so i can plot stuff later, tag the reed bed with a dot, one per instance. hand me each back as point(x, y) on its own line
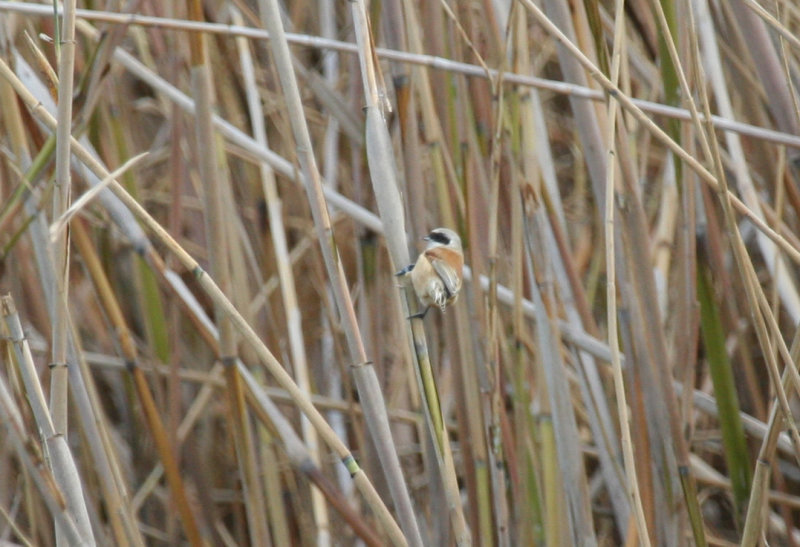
point(203, 206)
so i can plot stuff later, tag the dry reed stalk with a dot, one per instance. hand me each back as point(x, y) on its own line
point(757, 506)
point(31, 456)
point(302, 459)
point(494, 413)
point(213, 291)
point(611, 292)
point(473, 164)
point(61, 201)
point(364, 373)
point(661, 135)
point(156, 425)
point(55, 450)
point(287, 282)
point(382, 168)
point(60, 253)
point(220, 236)
point(420, 59)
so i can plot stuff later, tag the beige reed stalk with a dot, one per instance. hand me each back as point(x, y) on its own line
point(419, 59)
point(30, 455)
point(208, 285)
point(757, 507)
point(59, 457)
point(611, 288)
point(149, 408)
point(755, 294)
point(283, 264)
point(380, 157)
point(494, 325)
point(713, 67)
point(332, 159)
point(635, 107)
point(631, 106)
point(105, 461)
point(61, 200)
point(60, 253)
point(220, 237)
point(363, 371)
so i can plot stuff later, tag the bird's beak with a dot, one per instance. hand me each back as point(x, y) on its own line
point(427, 238)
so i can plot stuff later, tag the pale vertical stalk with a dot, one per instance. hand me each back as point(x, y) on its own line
point(383, 170)
point(61, 200)
point(756, 508)
point(364, 373)
point(337, 418)
point(571, 470)
point(288, 291)
point(494, 325)
point(631, 106)
point(330, 71)
point(664, 232)
point(60, 253)
point(611, 287)
point(59, 457)
point(768, 66)
point(521, 504)
point(444, 172)
point(589, 126)
point(207, 284)
point(105, 463)
point(36, 469)
point(713, 66)
point(220, 234)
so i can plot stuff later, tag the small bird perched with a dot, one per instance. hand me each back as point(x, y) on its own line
point(437, 274)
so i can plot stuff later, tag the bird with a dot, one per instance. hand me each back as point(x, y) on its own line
point(437, 274)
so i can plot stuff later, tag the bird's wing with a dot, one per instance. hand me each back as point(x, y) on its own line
point(442, 261)
point(405, 271)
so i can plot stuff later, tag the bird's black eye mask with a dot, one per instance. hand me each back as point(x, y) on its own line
point(439, 238)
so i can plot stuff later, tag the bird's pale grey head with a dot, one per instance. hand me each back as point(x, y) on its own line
point(444, 237)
